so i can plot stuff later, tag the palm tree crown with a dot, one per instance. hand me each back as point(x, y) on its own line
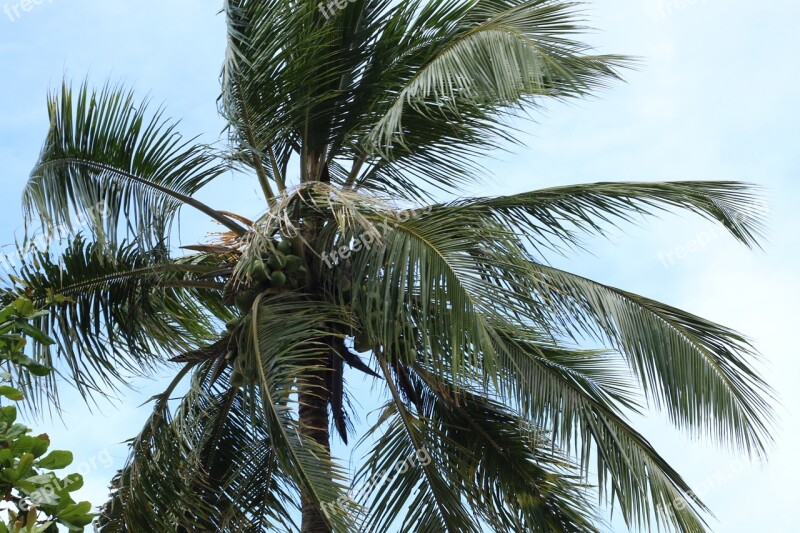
point(354, 120)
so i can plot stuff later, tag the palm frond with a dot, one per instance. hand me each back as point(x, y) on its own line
point(423, 497)
point(147, 494)
point(274, 49)
point(698, 371)
point(499, 463)
point(278, 353)
point(487, 57)
point(119, 311)
point(215, 465)
point(550, 217)
point(580, 402)
point(459, 295)
point(112, 165)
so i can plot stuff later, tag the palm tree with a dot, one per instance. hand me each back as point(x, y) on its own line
point(355, 117)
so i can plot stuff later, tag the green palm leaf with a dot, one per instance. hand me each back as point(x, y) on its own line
point(215, 467)
point(697, 370)
point(437, 505)
point(557, 215)
point(518, 364)
point(579, 403)
point(113, 166)
point(281, 354)
point(486, 453)
point(498, 55)
point(118, 311)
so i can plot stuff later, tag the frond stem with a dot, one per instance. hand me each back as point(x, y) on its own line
point(188, 200)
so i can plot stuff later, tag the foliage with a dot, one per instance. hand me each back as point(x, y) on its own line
point(37, 499)
point(449, 309)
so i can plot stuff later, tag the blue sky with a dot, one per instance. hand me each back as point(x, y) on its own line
point(714, 98)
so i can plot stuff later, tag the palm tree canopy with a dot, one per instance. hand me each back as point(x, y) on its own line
point(354, 120)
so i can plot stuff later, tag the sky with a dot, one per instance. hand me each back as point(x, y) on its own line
point(713, 98)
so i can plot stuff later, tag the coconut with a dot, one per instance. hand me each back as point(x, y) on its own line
point(260, 272)
point(245, 301)
point(228, 294)
point(237, 379)
point(293, 263)
point(277, 261)
point(362, 343)
point(278, 280)
point(285, 247)
point(232, 325)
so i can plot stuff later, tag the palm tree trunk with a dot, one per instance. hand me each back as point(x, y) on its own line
point(314, 393)
point(314, 423)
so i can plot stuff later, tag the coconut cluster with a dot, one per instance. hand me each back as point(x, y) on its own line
point(273, 272)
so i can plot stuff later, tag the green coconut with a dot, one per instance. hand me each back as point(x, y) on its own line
point(362, 343)
point(260, 272)
point(245, 301)
point(277, 261)
point(233, 324)
point(293, 263)
point(228, 294)
point(285, 247)
point(278, 280)
point(237, 379)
